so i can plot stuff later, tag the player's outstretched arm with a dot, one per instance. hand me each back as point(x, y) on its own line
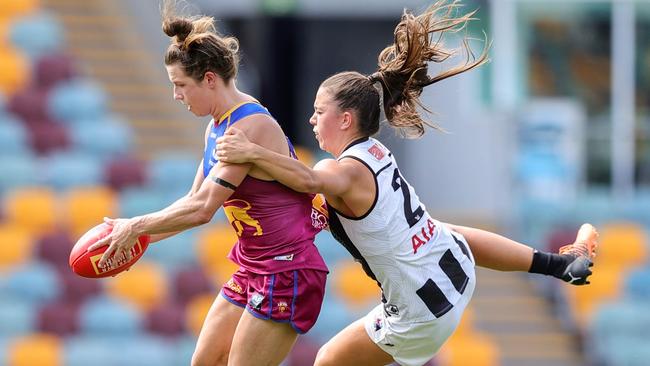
point(329, 176)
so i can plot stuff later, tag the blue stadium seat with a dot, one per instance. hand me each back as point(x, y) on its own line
point(84, 350)
point(173, 172)
point(146, 351)
point(35, 282)
point(138, 201)
point(37, 34)
point(617, 319)
point(19, 171)
point(183, 350)
point(331, 250)
point(65, 170)
point(637, 284)
point(105, 138)
point(107, 316)
point(338, 316)
point(17, 317)
point(176, 251)
point(3, 350)
point(140, 350)
point(625, 351)
point(14, 139)
point(77, 101)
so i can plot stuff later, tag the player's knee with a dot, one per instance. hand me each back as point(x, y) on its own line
point(324, 357)
point(202, 359)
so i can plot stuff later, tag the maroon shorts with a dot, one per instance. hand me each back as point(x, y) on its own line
point(293, 297)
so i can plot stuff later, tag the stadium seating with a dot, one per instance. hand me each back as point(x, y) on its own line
point(196, 311)
point(60, 318)
point(352, 284)
point(17, 317)
point(34, 282)
point(77, 101)
point(191, 282)
point(86, 207)
point(103, 139)
point(125, 172)
point(19, 171)
point(178, 251)
point(214, 244)
point(94, 315)
point(143, 286)
point(20, 250)
point(14, 71)
point(166, 319)
point(52, 69)
point(35, 349)
point(33, 208)
point(14, 137)
point(66, 170)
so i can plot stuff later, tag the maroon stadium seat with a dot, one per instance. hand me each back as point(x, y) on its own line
point(60, 318)
point(52, 69)
point(54, 247)
point(124, 172)
point(29, 104)
point(76, 289)
point(166, 319)
point(48, 136)
point(190, 282)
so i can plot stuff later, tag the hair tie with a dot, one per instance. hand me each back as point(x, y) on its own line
point(375, 77)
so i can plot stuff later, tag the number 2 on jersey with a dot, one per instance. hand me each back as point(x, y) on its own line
point(412, 217)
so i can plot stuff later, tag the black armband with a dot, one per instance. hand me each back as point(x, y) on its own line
point(224, 183)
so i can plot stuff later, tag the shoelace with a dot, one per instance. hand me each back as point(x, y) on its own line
point(577, 249)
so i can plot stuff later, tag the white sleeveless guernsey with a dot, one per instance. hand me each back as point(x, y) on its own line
point(422, 268)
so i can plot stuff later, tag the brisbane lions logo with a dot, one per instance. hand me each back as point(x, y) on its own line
point(236, 211)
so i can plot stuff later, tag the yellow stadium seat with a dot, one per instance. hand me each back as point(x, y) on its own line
point(353, 285)
point(214, 244)
point(470, 348)
point(196, 311)
point(16, 245)
point(86, 207)
point(305, 155)
point(4, 33)
point(34, 208)
point(622, 244)
point(15, 8)
point(144, 285)
point(14, 70)
point(35, 349)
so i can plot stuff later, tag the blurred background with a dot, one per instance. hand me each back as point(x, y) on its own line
point(555, 131)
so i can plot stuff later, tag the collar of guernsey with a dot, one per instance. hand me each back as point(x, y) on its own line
point(236, 113)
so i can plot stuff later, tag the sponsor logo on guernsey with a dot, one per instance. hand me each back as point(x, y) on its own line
point(377, 152)
point(282, 306)
point(235, 287)
point(256, 301)
point(288, 257)
point(379, 323)
point(319, 214)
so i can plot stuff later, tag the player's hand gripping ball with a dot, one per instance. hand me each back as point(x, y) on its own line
point(85, 263)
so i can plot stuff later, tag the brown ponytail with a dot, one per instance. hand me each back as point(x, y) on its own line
point(403, 65)
point(402, 71)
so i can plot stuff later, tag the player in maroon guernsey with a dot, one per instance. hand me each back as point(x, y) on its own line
point(281, 280)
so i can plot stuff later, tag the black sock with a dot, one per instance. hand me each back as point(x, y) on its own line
point(549, 263)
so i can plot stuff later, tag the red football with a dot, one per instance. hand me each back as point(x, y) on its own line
point(84, 263)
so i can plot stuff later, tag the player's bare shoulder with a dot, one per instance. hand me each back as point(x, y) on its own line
point(263, 130)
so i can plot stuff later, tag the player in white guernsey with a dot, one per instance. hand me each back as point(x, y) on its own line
point(424, 268)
